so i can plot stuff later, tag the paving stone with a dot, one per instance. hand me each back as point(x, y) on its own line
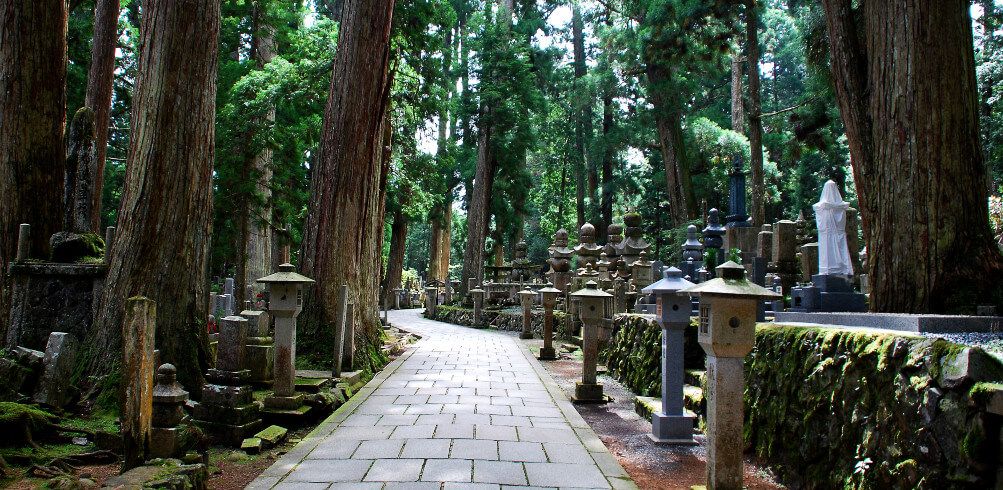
point(496, 433)
point(448, 470)
point(379, 449)
point(510, 421)
point(426, 448)
point(471, 486)
point(395, 470)
point(454, 431)
point(329, 470)
point(334, 449)
point(538, 434)
point(565, 475)
point(567, 453)
point(398, 420)
point(474, 449)
point(499, 472)
point(413, 432)
point(521, 451)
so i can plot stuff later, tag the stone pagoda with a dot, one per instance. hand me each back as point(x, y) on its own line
point(587, 250)
point(560, 261)
point(631, 247)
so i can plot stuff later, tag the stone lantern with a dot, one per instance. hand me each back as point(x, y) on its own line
point(672, 311)
point(727, 333)
point(549, 296)
point(478, 296)
point(169, 399)
point(592, 310)
point(285, 302)
point(526, 297)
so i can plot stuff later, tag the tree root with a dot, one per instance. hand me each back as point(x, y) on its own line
point(67, 465)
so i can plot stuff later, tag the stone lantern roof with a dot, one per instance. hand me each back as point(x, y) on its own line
point(591, 290)
point(731, 281)
point(550, 289)
point(671, 282)
point(286, 274)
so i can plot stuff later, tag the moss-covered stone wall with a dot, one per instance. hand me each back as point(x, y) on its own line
point(831, 408)
point(838, 408)
point(500, 319)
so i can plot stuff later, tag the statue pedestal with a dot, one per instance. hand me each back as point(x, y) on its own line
point(828, 293)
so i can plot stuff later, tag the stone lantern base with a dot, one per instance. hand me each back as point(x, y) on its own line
point(589, 393)
point(547, 354)
point(672, 429)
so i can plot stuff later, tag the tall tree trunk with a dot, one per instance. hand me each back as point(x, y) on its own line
point(445, 240)
point(583, 123)
point(906, 92)
point(440, 214)
point(737, 104)
point(340, 236)
point(395, 263)
point(255, 247)
point(478, 211)
point(32, 116)
point(668, 119)
point(606, 205)
point(165, 220)
point(100, 82)
point(755, 114)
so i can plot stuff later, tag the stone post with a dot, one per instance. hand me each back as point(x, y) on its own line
point(138, 335)
point(526, 299)
point(431, 300)
point(397, 298)
point(593, 306)
point(260, 347)
point(23, 243)
point(348, 348)
point(478, 295)
point(339, 332)
point(169, 398)
point(549, 295)
point(447, 295)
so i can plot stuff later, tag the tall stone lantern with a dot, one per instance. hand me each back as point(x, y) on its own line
point(549, 297)
point(592, 311)
point(526, 297)
point(285, 302)
point(727, 333)
point(672, 311)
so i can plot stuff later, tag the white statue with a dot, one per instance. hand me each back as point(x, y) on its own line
point(830, 216)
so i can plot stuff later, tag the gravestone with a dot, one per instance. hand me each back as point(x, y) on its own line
point(54, 388)
point(634, 244)
point(260, 347)
point(713, 236)
point(227, 411)
point(80, 173)
point(586, 250)
point(169, 399)
point(738, 218)
point(340, 325)
point(348, 349)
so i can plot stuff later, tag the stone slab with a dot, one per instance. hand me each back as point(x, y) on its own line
point(898, 322)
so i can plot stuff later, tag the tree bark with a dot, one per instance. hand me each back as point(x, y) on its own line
point(587, 189)
point(395, 262)
point(478, 211)
point(255, 247)
point(100, 82)
point(340, 236)
point(755, 114)
point(737, 104)
point(668, 118)
point(32, 116)
point(907, 94)
point(165, 220)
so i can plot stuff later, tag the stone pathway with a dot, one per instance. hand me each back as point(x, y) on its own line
point(463, 408)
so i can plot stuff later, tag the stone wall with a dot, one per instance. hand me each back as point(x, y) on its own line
point(832, 408)
point(501, 319)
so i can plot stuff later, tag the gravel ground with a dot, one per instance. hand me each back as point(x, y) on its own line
point(625, 433)
point(990, 341)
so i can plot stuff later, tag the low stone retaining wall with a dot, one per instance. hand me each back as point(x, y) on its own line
point(500, 319)
point(836, 408)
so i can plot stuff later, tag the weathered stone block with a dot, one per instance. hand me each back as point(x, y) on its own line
point(54, 389)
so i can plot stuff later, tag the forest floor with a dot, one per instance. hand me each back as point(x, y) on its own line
point(625, 433)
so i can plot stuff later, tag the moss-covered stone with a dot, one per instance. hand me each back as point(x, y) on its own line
point(503, 319)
